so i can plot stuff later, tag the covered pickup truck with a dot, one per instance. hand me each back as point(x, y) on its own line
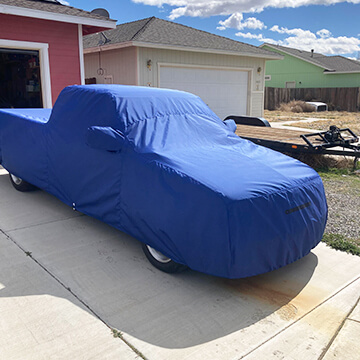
point(161, 166)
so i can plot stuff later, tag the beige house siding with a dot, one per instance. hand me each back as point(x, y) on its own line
point(257, 103)
point(150, 77)
point(120, 66)
point(130, 66)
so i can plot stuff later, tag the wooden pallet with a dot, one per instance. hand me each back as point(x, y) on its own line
point(261, 133)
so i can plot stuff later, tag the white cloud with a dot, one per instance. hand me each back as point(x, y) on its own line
point(253, 23)
point(259, 37)
point(300, 33)
point(250, 36)
point(324, 33)
point(322, 43)
point(236, 21)
point(204, 8)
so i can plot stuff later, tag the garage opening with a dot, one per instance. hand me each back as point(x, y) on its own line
point(20, 83)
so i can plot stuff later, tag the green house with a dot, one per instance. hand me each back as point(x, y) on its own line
point(308, 69)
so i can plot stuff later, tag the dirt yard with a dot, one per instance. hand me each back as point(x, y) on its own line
point(341, 119)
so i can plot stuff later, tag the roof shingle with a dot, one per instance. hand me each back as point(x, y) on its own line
point(328, 63)
point(52, 6)
point(162, 32)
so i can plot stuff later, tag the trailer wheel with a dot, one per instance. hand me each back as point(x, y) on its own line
point(20, 184)
point(162, 262)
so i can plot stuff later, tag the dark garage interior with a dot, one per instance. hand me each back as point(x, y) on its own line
point(20, 83)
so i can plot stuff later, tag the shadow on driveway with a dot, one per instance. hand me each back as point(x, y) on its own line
point(107, 270)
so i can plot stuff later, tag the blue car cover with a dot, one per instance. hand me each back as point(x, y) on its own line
point(161, 166)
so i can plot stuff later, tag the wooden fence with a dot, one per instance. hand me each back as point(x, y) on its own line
point(346, 99)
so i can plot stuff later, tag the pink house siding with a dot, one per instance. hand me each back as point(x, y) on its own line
point(63, 46)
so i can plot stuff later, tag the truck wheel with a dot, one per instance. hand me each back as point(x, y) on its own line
point(162, 262)
point(20, 184)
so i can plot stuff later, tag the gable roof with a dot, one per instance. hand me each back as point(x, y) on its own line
point(53, 10)
point(154, 32)
point(331, 64)
point(341, 64)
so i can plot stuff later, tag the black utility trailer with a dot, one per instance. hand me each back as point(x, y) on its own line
point(334, 141)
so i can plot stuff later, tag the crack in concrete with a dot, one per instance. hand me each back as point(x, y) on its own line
point(93, 312)
point(43, 223)
point(326, 349)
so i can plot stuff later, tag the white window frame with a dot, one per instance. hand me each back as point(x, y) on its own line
point(43, 49)
point(81, 54)
point(290, 84)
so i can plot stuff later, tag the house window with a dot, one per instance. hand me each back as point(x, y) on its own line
point(290, 84)
point(20, 82)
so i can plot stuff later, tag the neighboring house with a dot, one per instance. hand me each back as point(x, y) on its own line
point(228, 75)
point(41, 50)
point(307, 69)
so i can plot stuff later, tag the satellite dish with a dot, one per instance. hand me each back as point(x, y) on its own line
point(101, 12)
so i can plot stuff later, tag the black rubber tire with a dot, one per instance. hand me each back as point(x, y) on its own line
point(20, 184)
point(169, 266)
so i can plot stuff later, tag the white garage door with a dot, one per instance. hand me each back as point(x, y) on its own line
point(225, 91)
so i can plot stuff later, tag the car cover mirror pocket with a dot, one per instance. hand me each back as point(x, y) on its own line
point(230, 123)
point(104, 138)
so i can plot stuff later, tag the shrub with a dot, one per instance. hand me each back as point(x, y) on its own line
point(296, 106)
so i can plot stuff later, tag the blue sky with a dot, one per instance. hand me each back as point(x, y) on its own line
point(331, 27)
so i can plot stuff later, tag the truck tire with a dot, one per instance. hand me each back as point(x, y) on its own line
point(20, 184)
point(161, 262)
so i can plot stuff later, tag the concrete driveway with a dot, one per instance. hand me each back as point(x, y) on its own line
point(67, 280)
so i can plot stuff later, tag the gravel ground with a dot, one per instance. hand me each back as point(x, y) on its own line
point(343, 197)
point(342, 191)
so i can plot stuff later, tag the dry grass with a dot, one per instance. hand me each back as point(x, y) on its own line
point(319, 161)
point(351, 123)
point(296, 106)
point(278, 115)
